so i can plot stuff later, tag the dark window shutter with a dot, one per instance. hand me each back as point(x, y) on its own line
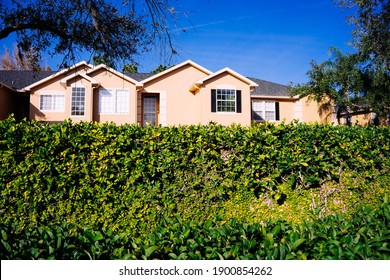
point(238, 100)
point(213, 100)
point(277, 111)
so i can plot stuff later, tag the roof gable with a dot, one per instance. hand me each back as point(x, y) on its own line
point(62, 72)
point(178, 66)
point(230, 72)
point(115, 72)
point(65, 80)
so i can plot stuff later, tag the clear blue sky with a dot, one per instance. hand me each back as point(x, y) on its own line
point(274, 40)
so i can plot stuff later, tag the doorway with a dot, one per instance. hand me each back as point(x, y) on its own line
point(150, 109)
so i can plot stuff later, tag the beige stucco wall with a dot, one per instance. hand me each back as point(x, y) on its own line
point(225, 81)
point(362, 119)
point(54, 86)
point(106, 79)
point(109, 80)
point(314, 112)
point(178, 106)
point(286, 108)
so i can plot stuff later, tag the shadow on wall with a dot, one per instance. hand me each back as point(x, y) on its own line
point(36, 114)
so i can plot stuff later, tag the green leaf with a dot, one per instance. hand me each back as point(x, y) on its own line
point(298, 243)
point(150, 250)
point(94, 236)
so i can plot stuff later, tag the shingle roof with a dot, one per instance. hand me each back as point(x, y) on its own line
point(266, 88)
point(18, 79)
point(139, 76)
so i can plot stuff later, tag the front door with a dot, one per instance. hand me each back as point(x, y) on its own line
point(150, 109)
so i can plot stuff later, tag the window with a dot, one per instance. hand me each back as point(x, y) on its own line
point(52, 102)
point(265, 111)
point(78, 101)
point(226, 100)
point(113, 101)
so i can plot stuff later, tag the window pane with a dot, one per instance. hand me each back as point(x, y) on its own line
point(78, 101)
point(270, 115)
point(46, 102)
point(270, 106)
point(122, 102)
point(226, 100)
point(50, 102)
point(270, 110)
point(59, 102)
point(105, 101)
point(263, 110)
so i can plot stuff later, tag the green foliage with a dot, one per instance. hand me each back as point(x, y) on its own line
point(357, 82)
point(113, 31)
point(372, 34)
point(161, 68)
point(130, 180)
point(364, 236)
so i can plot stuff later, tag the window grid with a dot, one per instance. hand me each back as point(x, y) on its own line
point(114, 102)
point(150, 106)
point(106, 101)
point(270, 110)
point(263, 110)
point(122, 102)
point(78, 101)
point(50, 102)
point(226, 100)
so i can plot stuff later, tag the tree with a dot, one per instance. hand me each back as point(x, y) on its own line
point(358, 81)
point(372, 33)
point(19, 61)
point(160, 68)
point(103, 59)
point(130, 68)
point(115, 30)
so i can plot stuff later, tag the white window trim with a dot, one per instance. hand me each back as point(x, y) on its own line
point(113, 110)
point(226, 87)
point(52, 93)
point(263, 105)
point(85, 100)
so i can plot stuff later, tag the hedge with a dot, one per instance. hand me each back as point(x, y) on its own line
point(366, 235)
point(127, 177)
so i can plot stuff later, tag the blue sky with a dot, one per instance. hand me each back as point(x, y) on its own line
point(270, 40)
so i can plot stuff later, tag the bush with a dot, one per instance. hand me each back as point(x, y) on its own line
point(127, 178)
point(363, 236)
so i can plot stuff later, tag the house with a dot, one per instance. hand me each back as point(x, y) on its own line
point(13, 99)
point(184, 94)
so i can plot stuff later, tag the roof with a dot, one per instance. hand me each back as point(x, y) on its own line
point(139, 76)
point(266, 88)
point(119, 74)
point(173, 68)
point(56, 74)
point(250, 82)
point(77, 74)
point(22, 79)
point(18, 79)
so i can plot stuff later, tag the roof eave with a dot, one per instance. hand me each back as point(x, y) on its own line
point(190, 62)
point(244, 79)
point(119, 74)
point(274, 97)
point(28, 88)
